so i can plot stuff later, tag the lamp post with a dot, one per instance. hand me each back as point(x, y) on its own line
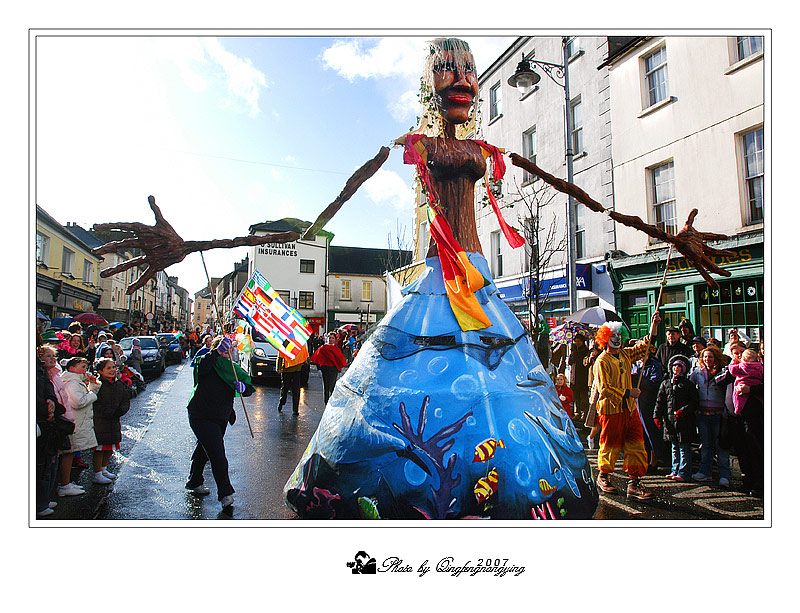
point(524, 79)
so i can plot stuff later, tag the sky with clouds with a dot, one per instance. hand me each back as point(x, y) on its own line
point(227, 132)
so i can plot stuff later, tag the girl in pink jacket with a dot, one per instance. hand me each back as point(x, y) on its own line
point(748, 372)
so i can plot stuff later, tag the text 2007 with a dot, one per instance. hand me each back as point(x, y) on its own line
point(492, 562)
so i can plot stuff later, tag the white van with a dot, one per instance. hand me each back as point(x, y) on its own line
point(259, 363)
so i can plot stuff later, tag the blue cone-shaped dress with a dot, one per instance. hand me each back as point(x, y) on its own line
point(433, 422)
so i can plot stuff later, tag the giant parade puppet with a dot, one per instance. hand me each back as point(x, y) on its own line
point(446, 412)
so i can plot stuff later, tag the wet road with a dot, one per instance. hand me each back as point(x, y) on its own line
point(157, 445)
point(151, 485)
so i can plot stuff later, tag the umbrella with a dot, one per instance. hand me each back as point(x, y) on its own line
point(90, 318)
point(348, 327)
point(42, 316)
point(116, 324)
point(593, 316)
point(565, 333)
point(60, 322)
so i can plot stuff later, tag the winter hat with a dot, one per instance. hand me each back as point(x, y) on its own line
point(683, 360)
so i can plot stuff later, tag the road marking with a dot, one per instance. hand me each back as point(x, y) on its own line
point(710, 504)
point(619, 505)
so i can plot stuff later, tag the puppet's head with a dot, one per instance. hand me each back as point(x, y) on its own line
point(612, 335)
point(449, 87)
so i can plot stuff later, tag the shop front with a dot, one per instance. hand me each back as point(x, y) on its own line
point(593, 285)
point(739, 302)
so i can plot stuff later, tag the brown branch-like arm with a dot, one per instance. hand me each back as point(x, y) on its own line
point(162, 246)
point(358, 178)
point(688, 241)
point(563, 186)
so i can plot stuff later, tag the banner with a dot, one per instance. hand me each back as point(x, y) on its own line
point(281, 325)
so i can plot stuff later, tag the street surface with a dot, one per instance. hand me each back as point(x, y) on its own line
point(153, 462)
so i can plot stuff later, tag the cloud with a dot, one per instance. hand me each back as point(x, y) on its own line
point(244, 81)
point(204, 63)
point(387, 187)
point(399, 58)
point(406, 106)
point(375, 58)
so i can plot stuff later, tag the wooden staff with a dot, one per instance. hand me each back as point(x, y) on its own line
point(658, 306)
point(230, 357)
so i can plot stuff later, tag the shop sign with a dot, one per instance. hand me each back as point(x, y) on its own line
point(278, 249)
point(740, 256)
point(556, 286)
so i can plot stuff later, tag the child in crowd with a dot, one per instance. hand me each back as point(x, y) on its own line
point(113, 401)
point(564, 393)
point(748, 372)
point(81, 389)
point(676, 406)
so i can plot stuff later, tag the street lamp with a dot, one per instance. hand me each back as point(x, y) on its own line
point(524, 79)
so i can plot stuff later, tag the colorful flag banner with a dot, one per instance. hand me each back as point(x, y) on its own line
point(282, 326)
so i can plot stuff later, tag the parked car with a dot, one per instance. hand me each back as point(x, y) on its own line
point(153, 354)
point(172, 347)
point(260, 363)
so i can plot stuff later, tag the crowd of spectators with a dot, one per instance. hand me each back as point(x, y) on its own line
point(693, 392)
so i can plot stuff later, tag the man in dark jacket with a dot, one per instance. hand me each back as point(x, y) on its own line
point(210, 412)
point(674, 346)
point(653, 374)
point(579, 375)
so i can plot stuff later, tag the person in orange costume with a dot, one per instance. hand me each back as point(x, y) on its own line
point(617, 413)
point(290, 370)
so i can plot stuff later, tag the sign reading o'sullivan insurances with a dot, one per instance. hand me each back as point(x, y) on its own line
point(279, 249)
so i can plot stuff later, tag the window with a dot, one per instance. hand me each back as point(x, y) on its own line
point(68, 262)
point(42, 249)
point(424, 239)
point(285, 295)
point(748, 45)
point(663, 197)
point(753, 166)
point(306, 300)
point(655, 67)
point(495, 107)
point(572, 47)
point(366, 291)
point(580, 231)
point(306, 265)
point(345, 289)
point(529, 152)
point(497, 255)
point(576, 126)
point(88, 271)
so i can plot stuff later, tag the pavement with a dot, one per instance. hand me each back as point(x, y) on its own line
point(153, 461)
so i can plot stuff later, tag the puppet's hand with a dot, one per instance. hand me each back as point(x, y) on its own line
point(160, 245)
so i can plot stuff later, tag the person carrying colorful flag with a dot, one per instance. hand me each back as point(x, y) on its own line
point(210, 411)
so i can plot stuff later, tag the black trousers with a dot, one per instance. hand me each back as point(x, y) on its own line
point(291, 380)
point(210, 448)
point(329, 376)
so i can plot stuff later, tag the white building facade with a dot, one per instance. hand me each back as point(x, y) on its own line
point(688, 132)
point(296, 270)
point(533, 125)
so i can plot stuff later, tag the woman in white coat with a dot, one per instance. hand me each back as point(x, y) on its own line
point(81, 388)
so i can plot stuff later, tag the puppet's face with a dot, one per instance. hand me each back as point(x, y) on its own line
point(456, 87)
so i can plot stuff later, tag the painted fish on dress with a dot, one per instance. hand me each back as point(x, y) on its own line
point(485, 450)
point(546, 488)
point(486, 486)
point(368, 508)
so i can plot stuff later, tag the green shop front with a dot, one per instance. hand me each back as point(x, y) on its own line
point(737, 303)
